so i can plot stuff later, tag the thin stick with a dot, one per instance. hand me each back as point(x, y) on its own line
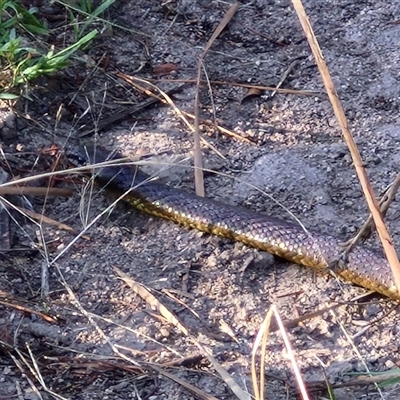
point(384, 203)
point(372, 202)
point(35, 191)
point(246, 86)
point(198, 162)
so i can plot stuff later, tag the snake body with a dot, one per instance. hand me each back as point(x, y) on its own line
point(363, 267)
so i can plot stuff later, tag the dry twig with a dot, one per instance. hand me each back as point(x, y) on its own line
point(198, 163)
point(372, 202)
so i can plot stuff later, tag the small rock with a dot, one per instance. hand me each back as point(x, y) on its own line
point(389, 364)
point(225, 255)
point(164, 332)
point(372, 310)
point(212, 261)
point(263, 260)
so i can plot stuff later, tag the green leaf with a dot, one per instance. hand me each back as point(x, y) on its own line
point(66, 53)
point(8, 96)
point(101, 8)
point(390, 382)
point(50, 62)
point(36, 29)
point(29, 21)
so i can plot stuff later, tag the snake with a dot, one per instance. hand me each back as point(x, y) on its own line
point(291, 241)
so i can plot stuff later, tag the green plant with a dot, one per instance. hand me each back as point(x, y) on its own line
point(24, 53)
point(32, 67)
point(382, 378)
point(13, 14)
point(82, 14)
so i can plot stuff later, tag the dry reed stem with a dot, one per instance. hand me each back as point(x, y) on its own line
point(372, 202)
point(198, 161)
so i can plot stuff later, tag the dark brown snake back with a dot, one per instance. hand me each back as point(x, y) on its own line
point(290, 241)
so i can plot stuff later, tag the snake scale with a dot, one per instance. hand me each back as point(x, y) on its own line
point(363, 267)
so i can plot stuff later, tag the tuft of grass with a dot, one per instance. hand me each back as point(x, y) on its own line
point(83, 13)
point(24, 52)
point(37, 65)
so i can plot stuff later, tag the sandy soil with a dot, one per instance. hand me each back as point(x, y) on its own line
point(294, 153)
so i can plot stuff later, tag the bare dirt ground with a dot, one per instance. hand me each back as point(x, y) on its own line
point(295, 154)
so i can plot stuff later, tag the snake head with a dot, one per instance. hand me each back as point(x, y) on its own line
point(90, 154)
point(119, 174)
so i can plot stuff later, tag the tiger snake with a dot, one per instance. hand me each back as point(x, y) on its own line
point(363, 266)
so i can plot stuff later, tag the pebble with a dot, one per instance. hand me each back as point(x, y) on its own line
point(389, 364)
point(164, 332)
